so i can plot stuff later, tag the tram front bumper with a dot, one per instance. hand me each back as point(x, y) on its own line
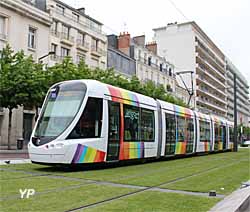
point(51, 153)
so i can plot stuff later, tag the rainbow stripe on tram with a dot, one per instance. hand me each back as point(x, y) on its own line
point(182, 111)
point(131, 150)
point(180, 147)
point(123, 96)
point(85, 154)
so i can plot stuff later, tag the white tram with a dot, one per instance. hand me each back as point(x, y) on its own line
point(86, 121)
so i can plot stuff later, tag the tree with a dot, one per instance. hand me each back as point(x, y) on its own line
point(22, 82)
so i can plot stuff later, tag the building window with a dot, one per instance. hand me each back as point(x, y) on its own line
point(161, 65)
point(65, 31)
point(80, 57)
point(60, 9)
point(32, 38)
point(94, 45)
point(75, 17)
point(170, 72)
point(2, 28)
point(54, 28)
point(53, 49)
point(64, 52)
point(149, 61)
point(80, 38)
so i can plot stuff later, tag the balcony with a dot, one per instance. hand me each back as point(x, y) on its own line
point(204, 61)
point(82, 45)
point(206, 92)
point(212, 59)
point(84, 24)
point(67, 39)
point(96, 51)
point(202, 70)
point(210, 84)
point(211, 105)
point(56, 58)
point(55, 33)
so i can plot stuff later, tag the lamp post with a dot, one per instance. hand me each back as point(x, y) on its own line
point(40, 58)
point(235, 149)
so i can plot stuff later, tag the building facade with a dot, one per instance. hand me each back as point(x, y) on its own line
point(119, 61)
point(189, 48)
point(149, 66)
point(75, 34)
point(24, 25)
point(243, 109)
point(42, 27)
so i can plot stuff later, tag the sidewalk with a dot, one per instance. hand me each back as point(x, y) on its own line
point(14, 156)
point(238, 201)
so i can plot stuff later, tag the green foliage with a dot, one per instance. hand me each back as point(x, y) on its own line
point(22, 80)
point(26, 82)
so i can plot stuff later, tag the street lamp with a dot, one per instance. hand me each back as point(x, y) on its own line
point(235, 116)
point(50, 53)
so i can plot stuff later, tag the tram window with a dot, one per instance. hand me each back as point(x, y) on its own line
point(181, 127)
point(114, 121)
point(204, 131)
point(217, 133)
point(147, 125)
point(90, 123)
point(190, 130)
point(131, 123)
point(231, 134)
point(170, 128)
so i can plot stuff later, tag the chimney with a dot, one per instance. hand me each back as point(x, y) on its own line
point(152, 47)
point(139, 40)
point(112, 41)
point(81, 10)
point(124, 43)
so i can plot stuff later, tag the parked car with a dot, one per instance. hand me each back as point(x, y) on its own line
point(245, 143)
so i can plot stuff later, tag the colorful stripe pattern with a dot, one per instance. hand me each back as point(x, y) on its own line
point(220, 144)
point(131, 150)
point(182, 111)
point(85, 154)
point(123, 96)
point(231, 146)
point(180, 147)
point(207, 146)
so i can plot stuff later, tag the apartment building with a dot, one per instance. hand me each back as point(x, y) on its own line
point(75, 34)
point(24, 25)
point(188, 47)
point(148, 65)
point(243, 109)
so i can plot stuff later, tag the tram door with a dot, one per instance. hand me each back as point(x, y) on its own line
point(170, 134)
point(114, 132)
point(224, 137)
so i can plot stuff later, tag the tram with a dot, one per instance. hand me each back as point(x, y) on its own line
point(86, 121)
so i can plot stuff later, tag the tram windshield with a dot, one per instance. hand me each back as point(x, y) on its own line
point(61, 106)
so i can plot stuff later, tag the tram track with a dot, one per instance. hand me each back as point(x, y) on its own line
point(100, 182)
point(154, 187)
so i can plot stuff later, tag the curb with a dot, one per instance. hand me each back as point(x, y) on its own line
point(14, 161)
point(238, 201)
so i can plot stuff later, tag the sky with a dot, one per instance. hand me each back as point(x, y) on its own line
point(226, 22)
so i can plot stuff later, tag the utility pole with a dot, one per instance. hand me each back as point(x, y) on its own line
point(235, 149)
